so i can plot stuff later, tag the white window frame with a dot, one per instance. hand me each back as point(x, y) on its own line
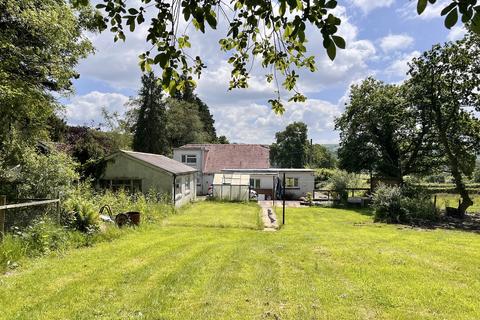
point(178, 187)
point(189, 158)
point(187, 185)
point(255, 185)
point(292, 183)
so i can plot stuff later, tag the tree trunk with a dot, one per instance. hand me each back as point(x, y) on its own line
point(462, 190)
point(454, 167)
point(457, 175)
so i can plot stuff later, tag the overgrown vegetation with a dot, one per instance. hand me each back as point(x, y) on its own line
point(394, 204)
point(79, 224)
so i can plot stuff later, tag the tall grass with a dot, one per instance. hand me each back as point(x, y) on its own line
point(46, 236)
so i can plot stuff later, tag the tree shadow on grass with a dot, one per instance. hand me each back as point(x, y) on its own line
point(471, 223)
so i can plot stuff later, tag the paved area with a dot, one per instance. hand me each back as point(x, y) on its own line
point(269, 217)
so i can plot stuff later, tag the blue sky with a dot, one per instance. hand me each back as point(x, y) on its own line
point(382, 36)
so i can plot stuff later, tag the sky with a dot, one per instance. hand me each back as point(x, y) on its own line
point(382, 37)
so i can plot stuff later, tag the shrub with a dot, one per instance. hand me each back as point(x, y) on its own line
point(387, 204)
point(404, 204)
point(339, 181)
point(81, 214)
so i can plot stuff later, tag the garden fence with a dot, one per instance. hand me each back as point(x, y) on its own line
point(20, 216)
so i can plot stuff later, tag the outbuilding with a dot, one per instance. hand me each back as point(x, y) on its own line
point(142, 172)
point(268, 182)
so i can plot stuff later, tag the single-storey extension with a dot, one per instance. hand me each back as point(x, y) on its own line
point(141, 172)
point(209, 159)
point(267, 181)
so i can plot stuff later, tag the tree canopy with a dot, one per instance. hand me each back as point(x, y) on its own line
point(445, 83)
point(273, 32)
point(150, 133)
point(291, 147)
point(382, 133)
point(41, 42)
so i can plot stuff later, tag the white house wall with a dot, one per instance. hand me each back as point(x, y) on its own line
point(306, 183)
point(177, 155)
point(186, 195)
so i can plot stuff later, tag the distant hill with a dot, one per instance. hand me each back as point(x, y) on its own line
point(332, 148)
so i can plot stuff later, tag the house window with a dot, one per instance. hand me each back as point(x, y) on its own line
point(255, 183)
point(291, 183)
point(187, 185)
point(189, 158)
point(178, 186)
point(129, 185)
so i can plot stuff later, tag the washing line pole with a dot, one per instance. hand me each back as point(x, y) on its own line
point(283, 198)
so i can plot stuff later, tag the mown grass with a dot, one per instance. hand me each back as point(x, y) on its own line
point(218, 215)
point(323, 264)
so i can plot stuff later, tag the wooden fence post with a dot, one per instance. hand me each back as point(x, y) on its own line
point(3, 201)
point(57, 207)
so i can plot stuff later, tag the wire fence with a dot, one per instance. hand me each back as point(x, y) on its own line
point(22, 212)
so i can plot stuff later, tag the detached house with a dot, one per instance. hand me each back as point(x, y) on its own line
point(209, 159)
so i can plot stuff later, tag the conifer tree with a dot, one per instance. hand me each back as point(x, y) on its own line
point(150, 129)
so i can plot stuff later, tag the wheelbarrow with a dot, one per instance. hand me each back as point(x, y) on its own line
point(121, 219)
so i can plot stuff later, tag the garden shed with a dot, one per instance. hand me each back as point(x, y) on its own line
point(232, 187)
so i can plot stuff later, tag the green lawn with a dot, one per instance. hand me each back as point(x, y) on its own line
point(218, 215)
point(451, 200)
point(324, 264)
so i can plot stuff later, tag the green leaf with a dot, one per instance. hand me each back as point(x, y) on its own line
point(448, 8)
point(283, 8)
point(332, 51)
point(451, 19)
point(211, 20)
point(475, 26)
point(339, 42)
point(161, 59)
point(132, 11)
point(421, 6)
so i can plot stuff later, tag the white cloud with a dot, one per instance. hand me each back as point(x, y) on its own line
point(399, 68)
point(368, 5)
point(395, 42)
point(87, 109)
point(243, 114)
point(456, 33)
point(256, 123)
point(409, 11)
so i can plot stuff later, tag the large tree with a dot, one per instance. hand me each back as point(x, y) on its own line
point(445, 82)
point(273, 32)
point(41, 42)
point(150, 133)
point(381, 132)
point(320, 157)
point(184, 124)
point(206, 117)
point(291, 147)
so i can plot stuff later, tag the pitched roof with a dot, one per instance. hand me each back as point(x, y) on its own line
point(160, 161)
point(229, 156)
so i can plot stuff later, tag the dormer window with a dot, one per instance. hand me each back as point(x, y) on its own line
point(189, 158)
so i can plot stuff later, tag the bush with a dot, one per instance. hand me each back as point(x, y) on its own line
point(387, 204)
point(81, 214)
point(402, 204)
point(340, 180)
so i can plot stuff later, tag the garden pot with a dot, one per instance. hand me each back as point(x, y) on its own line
point(134, 217)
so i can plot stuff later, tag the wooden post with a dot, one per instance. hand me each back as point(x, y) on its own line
point(3, 201)
point(57, 206)
point(435, 202)
point(283, 212)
